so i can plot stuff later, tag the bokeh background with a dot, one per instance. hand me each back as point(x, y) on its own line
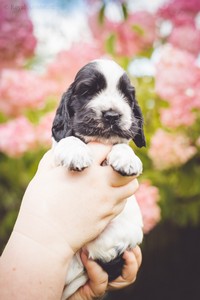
point(42, 46)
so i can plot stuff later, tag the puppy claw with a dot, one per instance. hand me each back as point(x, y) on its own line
point(122, 173)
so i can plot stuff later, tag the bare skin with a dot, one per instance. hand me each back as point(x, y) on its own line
point(51, 227)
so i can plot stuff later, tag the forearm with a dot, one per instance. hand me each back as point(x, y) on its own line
point(31, 270)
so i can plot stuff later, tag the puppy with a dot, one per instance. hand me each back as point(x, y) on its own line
point(100, 105)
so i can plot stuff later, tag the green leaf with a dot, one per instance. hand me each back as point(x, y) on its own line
point(138, 29)
point(110, 44)
point(124, 11)
point(101, 15)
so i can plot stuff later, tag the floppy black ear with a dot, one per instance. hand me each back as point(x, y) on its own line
point(139, 138)
point(62, 121)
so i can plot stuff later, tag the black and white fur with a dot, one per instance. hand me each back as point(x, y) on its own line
point(100, 105)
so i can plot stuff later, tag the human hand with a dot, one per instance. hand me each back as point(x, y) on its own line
point(98, 284)
point(72, 208)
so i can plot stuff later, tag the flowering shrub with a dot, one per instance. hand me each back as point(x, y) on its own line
point(19, 91)
point(176, 149)
point(17, 137)
point(147, 197)
point(17, 41)
point(177, 81)
point(186, 37)
point(170, 101)
point(175, 9)
point(127, 37)
point(43, 130)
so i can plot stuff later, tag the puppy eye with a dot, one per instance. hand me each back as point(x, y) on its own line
point(88, 90)
point(82, 89)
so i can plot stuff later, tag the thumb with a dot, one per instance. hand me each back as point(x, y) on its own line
point(99, 151)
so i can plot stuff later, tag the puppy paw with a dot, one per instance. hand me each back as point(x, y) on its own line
point(73, 154)
point(123, 160)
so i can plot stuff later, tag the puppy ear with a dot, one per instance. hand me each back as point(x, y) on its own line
point(139, 138)
point(62, 122)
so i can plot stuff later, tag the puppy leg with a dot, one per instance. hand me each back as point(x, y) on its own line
point(72, 287)
point(72, 153)
point(123, 160)
point(123, 232)
point(76, 276)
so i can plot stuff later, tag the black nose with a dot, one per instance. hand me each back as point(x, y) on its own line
point(111, 116)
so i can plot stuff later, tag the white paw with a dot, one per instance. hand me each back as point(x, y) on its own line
point(72, 153)
point(123, 160)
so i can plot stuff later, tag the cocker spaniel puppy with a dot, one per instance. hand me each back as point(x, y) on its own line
point(100, 105)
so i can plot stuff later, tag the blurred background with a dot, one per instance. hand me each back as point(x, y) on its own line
point(42, 46)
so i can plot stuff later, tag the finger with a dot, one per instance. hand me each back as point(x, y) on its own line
point(131, 266)
point(126, 191)
point(98, 279)
point(129, 272)
point(99, 151)
point(138, 254)
point(116, 179)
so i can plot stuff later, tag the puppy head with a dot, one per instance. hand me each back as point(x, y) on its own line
point(100, 105)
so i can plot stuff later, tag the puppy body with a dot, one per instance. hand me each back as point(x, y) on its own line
point(100, 105)
point(123, 232)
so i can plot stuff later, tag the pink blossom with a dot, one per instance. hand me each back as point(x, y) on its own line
point(67, 63)
point(132, 36)
point(177, 81)
point(17, 137)
point(147, 198)
point(43, 130)
point(186, 37)
point(169, 150)
point(17, 41)
point(100, 31)
point(175, 73)
point(135, 34)
point(183, 19)
point(174, 8)
point(22, 89)
point(176, 116)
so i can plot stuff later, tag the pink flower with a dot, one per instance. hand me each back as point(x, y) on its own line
point(147, 198)
point(174, 8)
point(186, 37)
point(175, 73)
point(135, 34)
point(17, 41)
point(169, 150)
point(17, 137)
point(43, 130)
point(176, 116)
point(177, 81)
point(67, 63)
point(100, 31)
point(22, 89)
point(132, 36)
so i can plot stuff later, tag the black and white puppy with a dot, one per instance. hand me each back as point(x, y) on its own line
point(100, 105)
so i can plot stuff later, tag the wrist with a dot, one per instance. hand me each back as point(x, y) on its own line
point(31, 271)
point(43, 233)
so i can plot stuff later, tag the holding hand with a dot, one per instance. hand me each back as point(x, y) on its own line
point(76, 206)
point(98, 284)
point(61, 211)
